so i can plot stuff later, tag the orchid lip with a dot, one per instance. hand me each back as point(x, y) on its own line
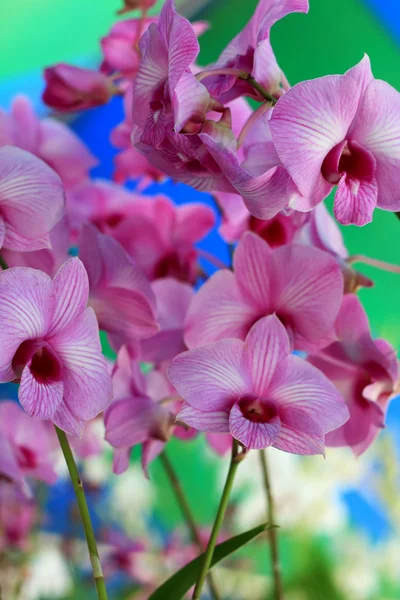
point(26, 458)
point(44, 364)
point(258, 409)
point(350, 158)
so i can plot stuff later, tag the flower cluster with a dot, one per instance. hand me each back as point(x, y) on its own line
point(274, 349)
point(291, 286)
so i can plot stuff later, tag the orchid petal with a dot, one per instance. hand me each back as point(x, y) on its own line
point(129, 421)
point(210, 378)
point(299, 442)
point(194, 222)
point(297, 384)
point(266, 345)
point(253, 263)
point(355, 201)
point(26, 307)
point(264, 195)
point(31, 195)
point(71, 290)
point(307, 122)
point(308, 291)
point(378, 131)
point(121, 460)
point(211, 421)
point(218, 311)
point(87, 383)
point(66, 420)
point(362, 73)
point(251, 434)
point(150, 450)
point(39, 399)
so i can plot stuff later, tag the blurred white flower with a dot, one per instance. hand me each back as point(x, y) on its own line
point(307, 490)
point(47, 574)
point(131, 500)
point(356, 573)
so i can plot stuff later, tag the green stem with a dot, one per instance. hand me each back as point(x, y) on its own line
point(85, 515)
point(186, 513)
point(247, 77)
point(272, 532)
point(3, 263)
point(235, 459)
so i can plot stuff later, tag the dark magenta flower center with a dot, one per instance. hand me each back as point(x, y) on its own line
point(351, 158)
point(274, 232)
point(44, 366)
point(173, 265)
point(26, 458)
point(256, 409)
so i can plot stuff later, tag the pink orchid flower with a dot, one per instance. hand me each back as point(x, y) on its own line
point(161, 236)
point(303, 286)
point(258, 392)
point(131, 164)
point(166, 93)
point(278, 231)
point(191, 136)
point(122, 554)
point(341, 130)
point(248, 161)
point(364, 370)
point(71, 88)
point(17, 518)
point(139, 413)
point(119, 46)
point(158, 235)
point(50, 343)
point(168, 99)
point(30, 444)
point(48, 139)
point(250, 51)
point(119, 292)
point(31, 200)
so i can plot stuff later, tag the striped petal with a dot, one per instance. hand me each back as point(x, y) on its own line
point(266, 345)
point(71, 291)
point(215, 422)
point(251, 434)
point(26, 308)
point(210, 378)
point(87, 383)
point(31, 197)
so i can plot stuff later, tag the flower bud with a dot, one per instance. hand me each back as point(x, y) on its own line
point(71, 88)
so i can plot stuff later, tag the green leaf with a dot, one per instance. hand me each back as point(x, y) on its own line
point(176, 586)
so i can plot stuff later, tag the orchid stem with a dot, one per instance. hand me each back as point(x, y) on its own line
point(243, 75)
point(272, 532)
point(211, 259)
point(186, 513)
point(236, 457)
point(374, 262)
point(263, 92)
point(3, 263)
point(85, 515)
